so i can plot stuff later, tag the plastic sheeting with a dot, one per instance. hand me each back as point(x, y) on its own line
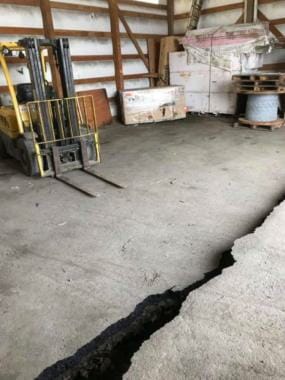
point(233, 48)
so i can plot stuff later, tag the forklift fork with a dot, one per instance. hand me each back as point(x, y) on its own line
point(85, 169)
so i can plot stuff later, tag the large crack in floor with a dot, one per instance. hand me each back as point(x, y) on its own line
point(109, 355)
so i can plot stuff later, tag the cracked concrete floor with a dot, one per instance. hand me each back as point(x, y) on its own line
point(233, 326)
point(71, 265)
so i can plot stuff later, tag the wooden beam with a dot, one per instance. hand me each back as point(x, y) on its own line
point(132, 38)
point(112, 78)
point(116, 41)
point(151, 47)
point(50, 34)
point(78, 7)
point(250, 11)
point(170, 17)
point(95, 9)
point(274, 66)
point(4, 89)
point(268, 1)
point(142, 4)
point(280, 36)
point(33, 3)
point(93, 58)
point(181, 16)
point(128, 2)
point(278, 21)
point(148, 15)
point(21, 30)
point(223, 8)
point(10, 30)
point(79, 58)
point(91, 33)
point(240, 19)
point(47, 19)
point(102, 10)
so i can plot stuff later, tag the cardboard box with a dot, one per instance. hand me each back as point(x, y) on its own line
point(148, 105)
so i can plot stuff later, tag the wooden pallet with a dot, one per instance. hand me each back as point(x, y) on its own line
point(260, 125)
point(260, 76)
point(261, 83)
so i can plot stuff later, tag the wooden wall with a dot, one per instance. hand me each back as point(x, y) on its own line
point(87, 24)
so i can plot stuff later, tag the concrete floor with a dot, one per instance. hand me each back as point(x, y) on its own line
point(233, 326)
point(71, 265)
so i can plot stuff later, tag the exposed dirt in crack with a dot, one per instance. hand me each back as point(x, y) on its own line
point(109, 355)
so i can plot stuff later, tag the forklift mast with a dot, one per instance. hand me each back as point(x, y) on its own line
point(60, 48)
point(58, 134)
point(64, 129)
point(66, 74)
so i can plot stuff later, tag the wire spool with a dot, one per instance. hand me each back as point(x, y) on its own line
point(262, 108)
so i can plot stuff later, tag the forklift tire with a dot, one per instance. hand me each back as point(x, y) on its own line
point(3, 150)
point(28, 157)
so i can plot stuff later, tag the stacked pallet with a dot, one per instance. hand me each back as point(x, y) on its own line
point(261, 83)
point(260, 125)
point(263, 90)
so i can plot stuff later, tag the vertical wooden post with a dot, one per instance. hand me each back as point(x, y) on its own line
point(250, 10)
point(116, 41)
point(170, 17)
point(49, 33)
point(151, 47)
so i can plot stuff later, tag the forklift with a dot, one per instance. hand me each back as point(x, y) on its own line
point(48, 135)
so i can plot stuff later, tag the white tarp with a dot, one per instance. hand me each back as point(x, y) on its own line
point(221, 46)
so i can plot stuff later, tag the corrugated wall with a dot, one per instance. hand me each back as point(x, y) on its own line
point(30, 17)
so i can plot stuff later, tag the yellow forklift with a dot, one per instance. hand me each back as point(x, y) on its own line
point(48, 135)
